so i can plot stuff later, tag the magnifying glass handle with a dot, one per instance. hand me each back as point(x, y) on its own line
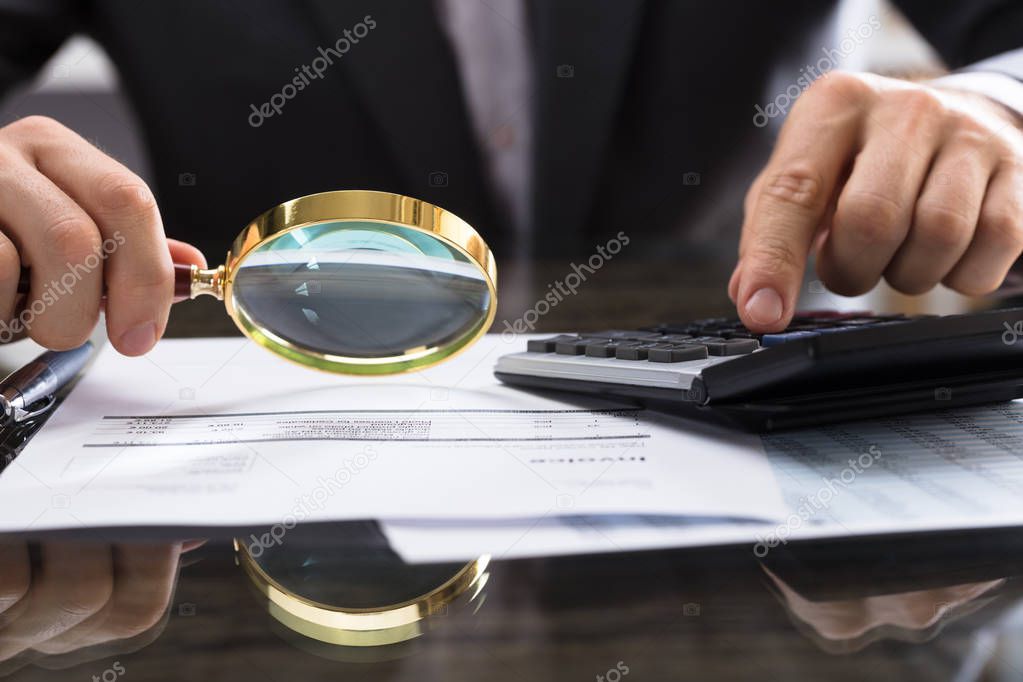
point(182, 281)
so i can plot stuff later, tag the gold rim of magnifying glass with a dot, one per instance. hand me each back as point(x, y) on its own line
point(363, 205)
point(374, 626)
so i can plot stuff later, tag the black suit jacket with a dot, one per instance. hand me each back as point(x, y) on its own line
point(661, 96)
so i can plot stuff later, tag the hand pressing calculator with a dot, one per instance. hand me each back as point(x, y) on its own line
point(827, 366)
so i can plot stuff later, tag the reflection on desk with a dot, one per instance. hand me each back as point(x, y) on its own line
point(710, 614)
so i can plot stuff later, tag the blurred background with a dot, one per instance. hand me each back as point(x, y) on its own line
point(79, 87)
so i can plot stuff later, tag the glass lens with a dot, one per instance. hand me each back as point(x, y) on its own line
point(382, 296)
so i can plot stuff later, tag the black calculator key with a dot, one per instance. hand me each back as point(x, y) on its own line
point(686, 329)
point(732, 347)
point(546, 345)
point(715, 347)
point(601, 349)
point(632, 351)
point(571, 346)
point(676, 338)
point(663, 352)
point(621, 335)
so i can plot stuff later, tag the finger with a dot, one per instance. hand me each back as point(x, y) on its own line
point(15, 574)
point(61, 244)
point(10, 273)
point(813, 149)
point(749, 202)
point(183, 252)
point(138, 271)
point(75, 581)
point(748, 206)
point(998, 241)
point(875, 206)
point(944, 220)
point(733, 283)
point(144, 581)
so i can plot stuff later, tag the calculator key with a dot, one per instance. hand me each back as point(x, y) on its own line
point(768, 340)
point(546, 345)
point(632, 351)
point(571, 346)
point(715, 346)
point(732, 347)
point(687, 329)
point(601, 349)
point(675, 338)
point(675, 353)
point(621, 335)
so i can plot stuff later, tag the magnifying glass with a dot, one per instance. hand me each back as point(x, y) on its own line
point(354, 282)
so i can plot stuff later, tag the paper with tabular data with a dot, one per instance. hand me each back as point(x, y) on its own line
point(949, 469)
point(221, 433)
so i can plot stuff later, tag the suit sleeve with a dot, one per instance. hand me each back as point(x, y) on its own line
point(30, 32)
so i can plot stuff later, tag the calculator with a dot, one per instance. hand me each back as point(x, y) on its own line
point(827, 366)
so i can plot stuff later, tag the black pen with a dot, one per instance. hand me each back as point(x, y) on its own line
point(31, 391)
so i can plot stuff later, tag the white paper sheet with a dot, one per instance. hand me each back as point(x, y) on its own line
point(926, 472)
point(434, 541)
point(220, 433)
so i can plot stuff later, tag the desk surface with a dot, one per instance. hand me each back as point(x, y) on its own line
point(940, 607)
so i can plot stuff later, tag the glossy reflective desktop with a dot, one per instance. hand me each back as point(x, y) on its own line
point(938, 607)
point(848, 612)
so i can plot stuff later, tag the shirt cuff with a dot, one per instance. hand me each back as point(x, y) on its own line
point(1003, 89)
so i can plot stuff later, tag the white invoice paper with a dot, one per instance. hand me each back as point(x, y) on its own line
point(947, 469)
point(218, 432)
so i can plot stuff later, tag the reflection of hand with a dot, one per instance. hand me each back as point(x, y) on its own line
point(79, 595)
point(848, 625)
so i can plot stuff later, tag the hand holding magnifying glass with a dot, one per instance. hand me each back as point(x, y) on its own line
point(354, 282)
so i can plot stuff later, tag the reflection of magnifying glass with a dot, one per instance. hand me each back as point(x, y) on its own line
point(355, 282)
point(354, 592)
